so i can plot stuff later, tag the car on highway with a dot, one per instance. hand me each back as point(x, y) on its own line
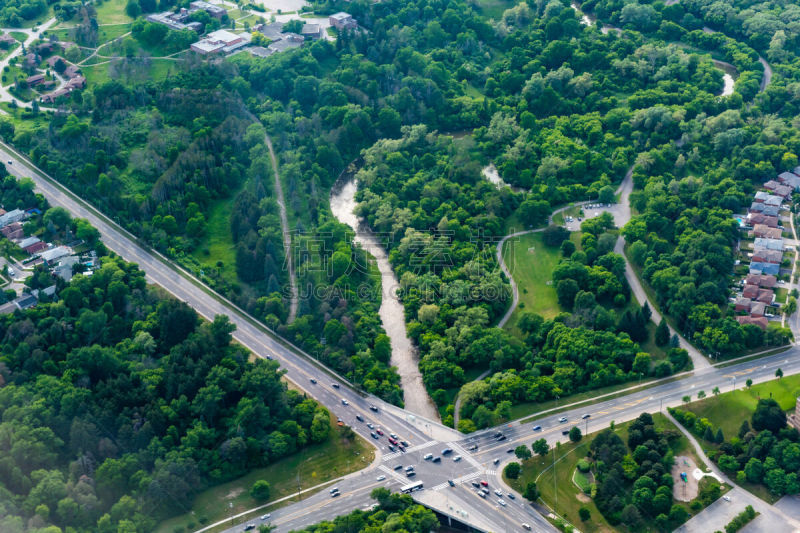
point(313, 381)
point(537, 428)
point(268, 357)
point(404, 443)
point(265, 516)
point(501, 438)
point(380, 478)
point(584, 417)
point(496, 460)
point(411, 474)
point(482, 495)
point(501, 502)
point(391, 440)
point(447, 451)
point(359, 418)
point(428, 456)
point(335, 494)
point(511, 496)
point(335, 385)
point(473, 448)
point(485, 490)
point(484, 483)
point(498, 492)
point(334, 489)
point(510, 450)
point(526, 527)
point(451, 483)
point(402, 448)
point(496, 434)
point(393, 435)
point(373, 408)
point(437, 459)
point(476, 484)
point(10, 162)
point(398, 467)
point(565, 432)
point(391, 448)
point(373, 435)
point(345, 402)
point(248, 527)
point(409, 468)
point(562, 419)
point(378, 431)
point(457, 458)
point(370, 425)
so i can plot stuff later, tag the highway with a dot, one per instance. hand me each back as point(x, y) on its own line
point(423, 436)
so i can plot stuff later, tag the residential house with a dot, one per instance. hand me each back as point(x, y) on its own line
point(47, 291)
point(343, 21)
point(792, 179)
point(72, 71)
point(757, 309)
point(12, 231)
point(767, 256)
point(766, 296)
point(55, 95)
point(78, 82)
point(769, 244)
point(15, 215)
point(35, 248)
point(35, 80)
point(220, 41)
point(774, 200)
point(760, 280)
point(26, 301)
point(761, 230)
point(743, 304)
point(761, 197)
point(27, 241)
point(750, 292)
point(65, 266)
point(52, 60)
point(761, 218)
point(761, 322)
point(772, 269)
point(51, 255)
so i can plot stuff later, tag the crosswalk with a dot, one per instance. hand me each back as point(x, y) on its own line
point(393, 474)
point(463, 453)
point(463, 479)
point(390, 456)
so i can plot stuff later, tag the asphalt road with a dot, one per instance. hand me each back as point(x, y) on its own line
point(423, 436)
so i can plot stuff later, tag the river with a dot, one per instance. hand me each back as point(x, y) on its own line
point(404, 355)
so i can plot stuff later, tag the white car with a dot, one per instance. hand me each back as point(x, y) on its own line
point(498, 492)
point(501, 502)
point(380, 478)
point(457, 458)
point(428, 456)
point(345, 402)
point(562, 419)
point(265, 516)
point(726, 498)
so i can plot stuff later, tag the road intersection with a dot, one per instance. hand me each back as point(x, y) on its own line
point(460, 501)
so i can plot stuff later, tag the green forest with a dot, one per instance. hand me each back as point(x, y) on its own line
point(419, 104)
point(120, 404)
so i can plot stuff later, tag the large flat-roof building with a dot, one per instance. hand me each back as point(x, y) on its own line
point(220, 42)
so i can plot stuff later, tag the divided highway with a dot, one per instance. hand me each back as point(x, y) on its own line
point(460, 501)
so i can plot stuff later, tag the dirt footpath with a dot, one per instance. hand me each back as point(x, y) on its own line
point(684, 492)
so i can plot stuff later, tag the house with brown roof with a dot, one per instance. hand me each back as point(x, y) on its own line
point(763, 255)
point(750, 291)
point(34, 80)
point(743, 304)
point(766, 296)
point(36, 247)
point(78, 82)
point(762, 230)
point(761, 280)
point(761, 322)
point(757, 309)
point(72, 71)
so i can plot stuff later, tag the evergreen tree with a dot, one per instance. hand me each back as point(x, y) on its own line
point(662, 333)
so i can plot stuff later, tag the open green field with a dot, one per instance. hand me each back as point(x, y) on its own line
point(531, 263)
point(217, 243)
point(112, 12)
point(494, 8)
point(570, 496)
point(316, 465)
point(158, 69)
point(728, 409)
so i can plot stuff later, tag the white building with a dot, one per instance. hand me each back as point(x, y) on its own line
point(221, 42)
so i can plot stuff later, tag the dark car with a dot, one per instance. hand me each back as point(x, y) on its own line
point(391, 448)
point(314, 381)
point(411, 474)
point(447, 451)
point(476, 484)
point(565, 432)
point(501, 438)
point(373, 435)
point(451, 483)
point(584, 417)
point(511, 496)
point(248, 527)
point(373, 408)
point(404, 443)
point(359, 418)
point(437, 459)
point(473, 447)
point(335, 385)
point(497, 434)
point(510, 450)
point(398, 467)
point(401, 447)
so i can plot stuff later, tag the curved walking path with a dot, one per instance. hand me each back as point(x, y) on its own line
point(739, 495)
point(294, 296)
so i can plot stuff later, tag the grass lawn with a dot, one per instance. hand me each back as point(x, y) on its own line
point(494, 8)
point(570, 496)
point(315, 465)
point(112, 12)
point(729, 409)
point(217, 245)
point(18, 35)
point(531, 263)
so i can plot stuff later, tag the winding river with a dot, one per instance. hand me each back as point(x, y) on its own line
point(404, 356)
